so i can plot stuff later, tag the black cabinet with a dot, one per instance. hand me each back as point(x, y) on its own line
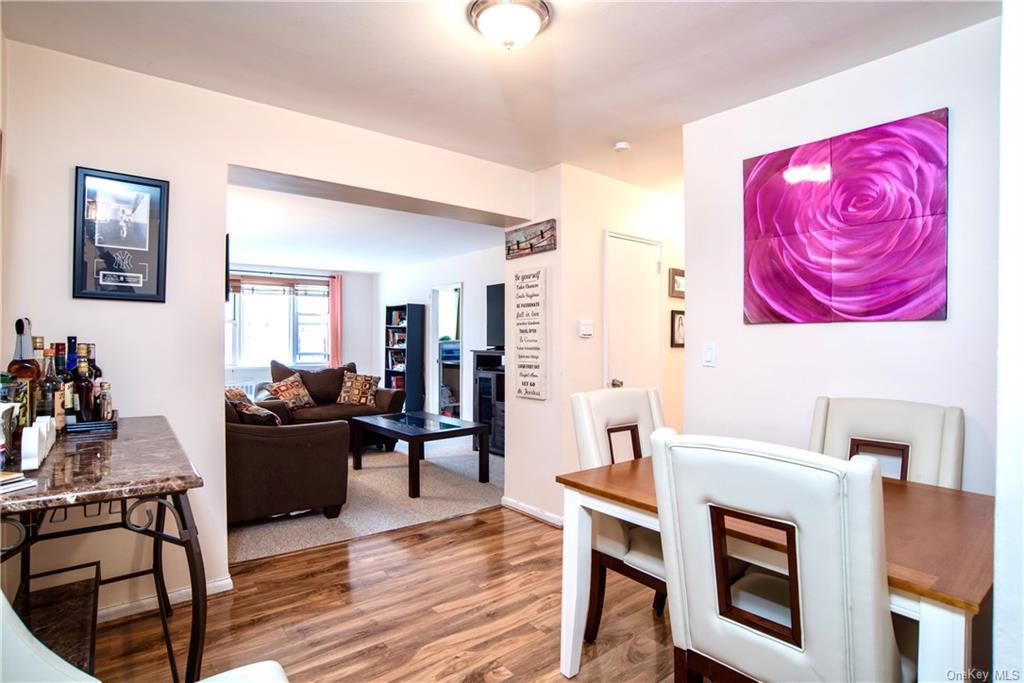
point(489, 396)
point(404, 332)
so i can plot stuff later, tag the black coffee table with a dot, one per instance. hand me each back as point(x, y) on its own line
point(417, 428)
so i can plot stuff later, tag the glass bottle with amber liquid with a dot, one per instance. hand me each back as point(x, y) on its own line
point(67, 378)
point(92, 361)
point(85, 402)
point(51, 391)
point(23, 366)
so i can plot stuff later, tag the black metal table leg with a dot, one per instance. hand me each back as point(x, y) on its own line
point(158, 563)
point(197, 579)
point(415, 455)
point(162, 599)
point(485, 457)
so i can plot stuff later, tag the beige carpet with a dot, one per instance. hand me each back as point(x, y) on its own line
point(378, 500)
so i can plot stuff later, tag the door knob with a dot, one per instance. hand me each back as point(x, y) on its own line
point(616, 383)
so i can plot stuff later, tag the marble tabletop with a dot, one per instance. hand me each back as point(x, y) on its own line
point(142, 458)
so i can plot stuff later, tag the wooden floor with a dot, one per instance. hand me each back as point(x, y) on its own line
point(473, 598)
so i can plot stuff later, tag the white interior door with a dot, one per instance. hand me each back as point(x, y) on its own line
point(633, 304)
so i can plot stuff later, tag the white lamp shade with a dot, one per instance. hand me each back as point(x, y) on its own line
point(509, 24)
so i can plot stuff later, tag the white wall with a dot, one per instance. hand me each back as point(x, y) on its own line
point(768, 375)
point(413, 284)
point(1008, 617)
point(540, 439)
point(361, 315)
point(168, 358)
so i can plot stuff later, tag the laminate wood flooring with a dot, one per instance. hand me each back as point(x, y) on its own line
point(472, 598)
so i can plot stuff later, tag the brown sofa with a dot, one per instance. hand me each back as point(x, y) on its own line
point(324, 386)
point(279, 469)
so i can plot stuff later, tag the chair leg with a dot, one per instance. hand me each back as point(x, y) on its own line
point(598, 577)
point(659, 603)
point(332, 511)
point(682, 672)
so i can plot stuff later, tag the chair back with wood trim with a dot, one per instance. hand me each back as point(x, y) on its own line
point(830, 620)
point(928, 438)
point(613, 425)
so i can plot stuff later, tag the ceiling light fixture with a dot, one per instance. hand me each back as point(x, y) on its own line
point(622, 146)
point(509, 23)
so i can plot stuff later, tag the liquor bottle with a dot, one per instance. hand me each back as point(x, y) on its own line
point(66, 378)
point(92, 361)
point(84, 391)
point(37, 355)
point(104, 403)
point(72, 359)
point(21, 366)
point(51, 391)
point(38, 344)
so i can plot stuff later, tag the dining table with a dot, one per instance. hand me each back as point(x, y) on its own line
point(938, 541)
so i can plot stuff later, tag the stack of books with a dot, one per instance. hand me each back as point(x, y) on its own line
point(14, 481)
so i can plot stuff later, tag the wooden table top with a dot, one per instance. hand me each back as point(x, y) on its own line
point(938, 541)
point(142, 458)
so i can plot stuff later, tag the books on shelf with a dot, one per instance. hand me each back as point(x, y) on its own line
point(396, 360)
point(396, 318)
point(395, 338)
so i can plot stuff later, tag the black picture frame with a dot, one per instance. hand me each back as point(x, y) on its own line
point(132, 266)
point(677, 323)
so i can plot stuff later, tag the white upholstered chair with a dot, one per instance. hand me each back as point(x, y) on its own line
point(613, 425)
point(916, 441)
point(23, 659)
point(828, 618)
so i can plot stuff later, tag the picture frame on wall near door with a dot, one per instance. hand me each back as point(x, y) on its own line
point(677, 330)
point(677, 283)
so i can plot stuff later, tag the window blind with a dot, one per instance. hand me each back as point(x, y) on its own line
point(244, 283)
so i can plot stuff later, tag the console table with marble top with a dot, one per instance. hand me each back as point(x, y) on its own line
point(138, 475)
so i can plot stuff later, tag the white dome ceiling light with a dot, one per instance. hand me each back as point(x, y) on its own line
point(509, 23)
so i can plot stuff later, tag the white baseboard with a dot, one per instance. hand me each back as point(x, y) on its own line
point(127, 609)
point(532, 511)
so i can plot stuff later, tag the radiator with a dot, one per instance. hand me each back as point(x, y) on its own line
point(248, 387)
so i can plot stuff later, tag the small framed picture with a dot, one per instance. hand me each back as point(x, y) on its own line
point(677, 283)
point(677, 334)
point(535, 238)
point(120, 236)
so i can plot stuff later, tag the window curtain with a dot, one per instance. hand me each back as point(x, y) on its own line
point(335, 307)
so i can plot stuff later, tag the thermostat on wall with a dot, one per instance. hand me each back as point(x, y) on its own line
point(586, 329)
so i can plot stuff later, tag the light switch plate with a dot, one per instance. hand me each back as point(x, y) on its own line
point(710, 355)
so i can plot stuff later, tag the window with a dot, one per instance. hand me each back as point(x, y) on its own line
point(271, 319)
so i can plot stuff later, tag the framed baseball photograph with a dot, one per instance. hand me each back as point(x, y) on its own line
point(120, 236)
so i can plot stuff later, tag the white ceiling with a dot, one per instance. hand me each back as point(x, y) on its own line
point(292, 231)
point(602, 71)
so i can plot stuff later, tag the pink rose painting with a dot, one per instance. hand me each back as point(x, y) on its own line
point(852, 228)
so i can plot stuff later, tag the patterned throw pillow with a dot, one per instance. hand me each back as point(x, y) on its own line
point(252, 414)
point(360, 390)
point(236, 395)
point(293, 392)
point(248, 412)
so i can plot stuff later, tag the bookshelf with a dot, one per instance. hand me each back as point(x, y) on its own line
point(404, 329)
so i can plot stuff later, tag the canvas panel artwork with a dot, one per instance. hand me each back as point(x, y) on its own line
point(852, 228)
point(535, 238)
